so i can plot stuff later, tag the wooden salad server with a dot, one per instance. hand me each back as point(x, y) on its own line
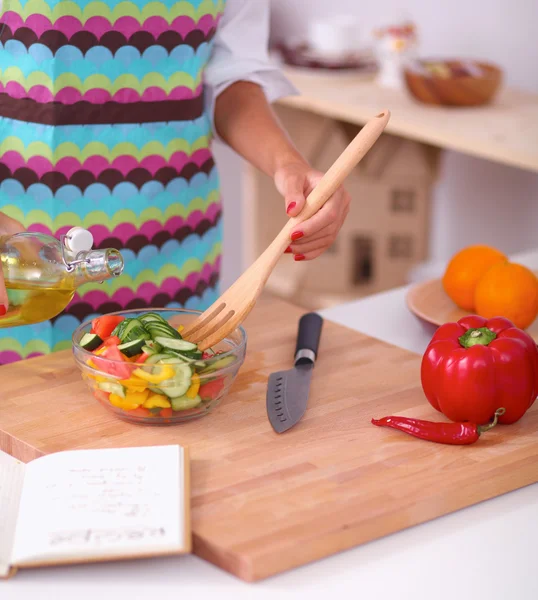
point(231, 309)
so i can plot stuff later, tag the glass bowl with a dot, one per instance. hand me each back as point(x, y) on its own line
point(172, 388)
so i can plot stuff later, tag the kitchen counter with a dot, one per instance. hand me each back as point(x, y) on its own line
point(485, 551)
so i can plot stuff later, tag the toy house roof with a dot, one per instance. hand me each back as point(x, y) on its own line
point(392, 157)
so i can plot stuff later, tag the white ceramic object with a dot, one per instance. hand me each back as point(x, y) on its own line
point(334, 37)
point(395, 46)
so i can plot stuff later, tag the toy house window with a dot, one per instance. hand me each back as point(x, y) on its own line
point(400, 246)
point(363, 260)
point(402, 200)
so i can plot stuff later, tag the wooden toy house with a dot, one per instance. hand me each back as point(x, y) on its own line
point(386, 232)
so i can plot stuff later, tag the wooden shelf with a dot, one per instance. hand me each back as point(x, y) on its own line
point(505, 131)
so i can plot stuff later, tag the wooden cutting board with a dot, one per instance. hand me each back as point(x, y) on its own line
point(263, 503)
point(428, 301)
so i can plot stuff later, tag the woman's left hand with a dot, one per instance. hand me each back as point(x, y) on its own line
point(311, 238)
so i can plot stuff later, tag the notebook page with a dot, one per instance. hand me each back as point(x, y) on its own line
point(100, 504)
point(11, 481)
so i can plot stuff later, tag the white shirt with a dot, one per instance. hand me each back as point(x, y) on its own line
point(240, 53)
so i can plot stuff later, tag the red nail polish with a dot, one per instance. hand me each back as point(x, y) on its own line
point(288, 250)
point(297, 235)
point(3, 310)
point(291, 206)
point(299, 257)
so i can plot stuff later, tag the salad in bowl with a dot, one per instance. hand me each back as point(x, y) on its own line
point(137, 365)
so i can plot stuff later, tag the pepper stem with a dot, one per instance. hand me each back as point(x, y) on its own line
point(481, 336)
point(483, 428)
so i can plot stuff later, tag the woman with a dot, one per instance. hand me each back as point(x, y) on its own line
point(107, 121)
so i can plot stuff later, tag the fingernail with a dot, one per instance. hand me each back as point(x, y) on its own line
point(3, 310)
point(288, 250)
point(297, 235)
point(291, 206)
point(299, 257)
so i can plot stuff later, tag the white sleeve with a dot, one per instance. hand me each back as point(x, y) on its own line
point(240, 53)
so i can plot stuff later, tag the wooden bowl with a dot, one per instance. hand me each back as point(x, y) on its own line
point(455, 87)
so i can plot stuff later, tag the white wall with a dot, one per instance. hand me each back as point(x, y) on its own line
point(475, 200)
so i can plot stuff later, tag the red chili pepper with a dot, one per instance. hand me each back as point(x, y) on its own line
point(457, 434)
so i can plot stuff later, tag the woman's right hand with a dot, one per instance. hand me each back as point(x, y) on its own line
point(8, 226)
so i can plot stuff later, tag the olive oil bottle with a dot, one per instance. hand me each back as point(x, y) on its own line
point(42, 273)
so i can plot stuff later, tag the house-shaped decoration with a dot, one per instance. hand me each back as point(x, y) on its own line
point(386, 232)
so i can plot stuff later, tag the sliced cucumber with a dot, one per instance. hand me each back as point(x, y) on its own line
point(136, 333)
point(177, 345)
point(120, 328)
point(185, 403)
point(155, 358)
point(151, 317)
point(133, 330)
point(162, 330)
point(187, 357)
point(172, 360)
point(133, 348)
point(90, 341)
point(220, 364)
point(153, 346)
point(179, 384)
point(112, 388)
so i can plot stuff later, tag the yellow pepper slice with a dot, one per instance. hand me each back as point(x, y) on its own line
point(180, 328)
point(166, 372)
point(157, 401)
point(134, 384)
point(123, 403)
point(98, 378)
point(192, 392)
point(137, 398)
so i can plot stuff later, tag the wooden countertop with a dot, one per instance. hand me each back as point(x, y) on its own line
point(505, 132)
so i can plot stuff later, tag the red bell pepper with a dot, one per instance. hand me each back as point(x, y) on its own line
point(476, 366)
point(142, 358)
point(212, 389)
point(105, 325)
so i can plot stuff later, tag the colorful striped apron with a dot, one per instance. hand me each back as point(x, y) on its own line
point(103, 125)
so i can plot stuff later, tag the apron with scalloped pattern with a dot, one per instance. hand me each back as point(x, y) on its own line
point(103, 125)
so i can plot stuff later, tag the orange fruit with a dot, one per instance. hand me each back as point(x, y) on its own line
point(508, 290)
point(465, 270)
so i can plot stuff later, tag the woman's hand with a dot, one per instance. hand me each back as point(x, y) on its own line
point(311, 238)
point(8, 226)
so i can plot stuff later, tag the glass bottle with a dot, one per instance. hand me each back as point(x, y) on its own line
point(42, 273)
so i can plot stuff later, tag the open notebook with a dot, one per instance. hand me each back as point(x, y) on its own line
point(94, 505)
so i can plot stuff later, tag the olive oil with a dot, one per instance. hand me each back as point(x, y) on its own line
point(29, 305)
point(42, 274)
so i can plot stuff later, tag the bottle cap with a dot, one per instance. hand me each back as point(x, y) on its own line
point(78, 240)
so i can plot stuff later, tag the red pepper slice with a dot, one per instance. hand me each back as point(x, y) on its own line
point(142, 358)
point(140, 412)
point(105, 325)
point(457, 434)
point(212, 389)
point(101, 395)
